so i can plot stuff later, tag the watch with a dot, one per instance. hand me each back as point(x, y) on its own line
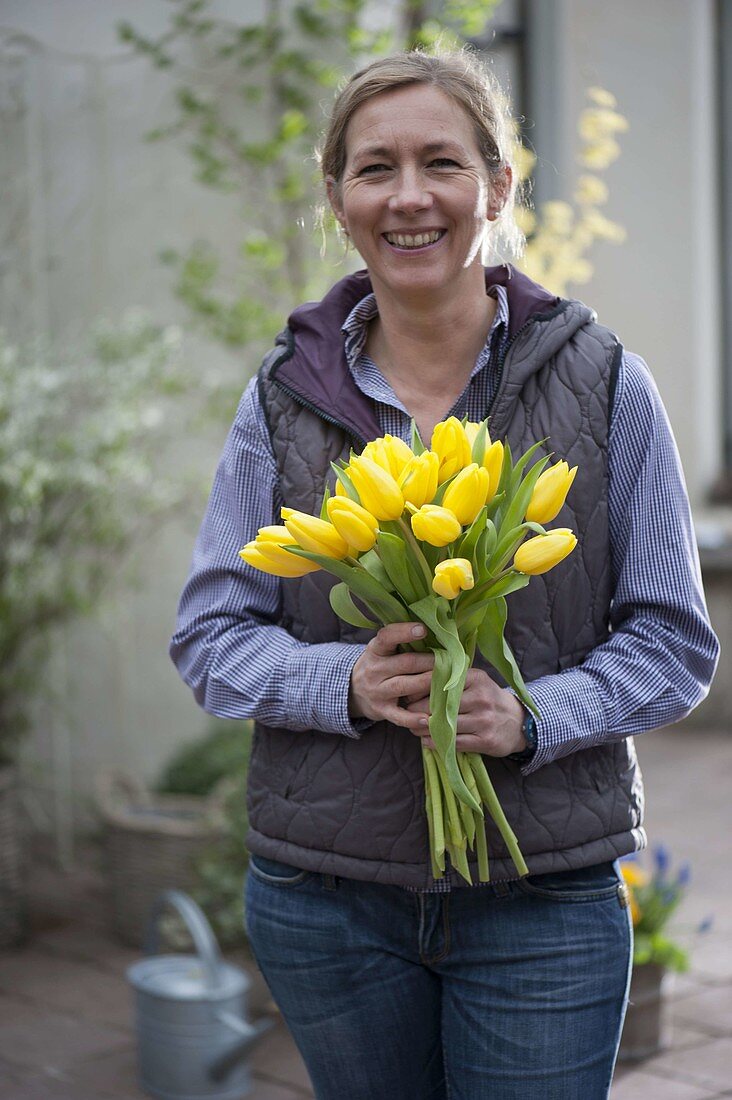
point(531, 736)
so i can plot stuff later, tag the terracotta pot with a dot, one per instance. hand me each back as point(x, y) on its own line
point(647, 1028)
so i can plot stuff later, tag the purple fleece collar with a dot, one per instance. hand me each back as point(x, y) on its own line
point(317, 372)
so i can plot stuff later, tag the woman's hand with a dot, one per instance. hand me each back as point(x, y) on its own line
point(490, 719)
point(382, 676)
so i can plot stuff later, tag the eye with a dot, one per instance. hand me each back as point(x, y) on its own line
point(444, 162)
point(370, 169)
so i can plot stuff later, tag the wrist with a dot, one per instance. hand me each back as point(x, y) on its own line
point(530, 736)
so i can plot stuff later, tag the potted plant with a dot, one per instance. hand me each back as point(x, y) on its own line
point(653, 896)
point(79, 440)
point(198, 769)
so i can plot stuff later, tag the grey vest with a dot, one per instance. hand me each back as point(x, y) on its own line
point(354, 807)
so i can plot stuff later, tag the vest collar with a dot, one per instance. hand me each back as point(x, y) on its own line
point(314, 369)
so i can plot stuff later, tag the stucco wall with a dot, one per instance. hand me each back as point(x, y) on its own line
point(102, 203)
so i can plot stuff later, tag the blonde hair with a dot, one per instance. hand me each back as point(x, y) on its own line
point(470, 83)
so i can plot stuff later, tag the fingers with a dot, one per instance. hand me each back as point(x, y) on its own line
point(382, 676)
point(389, 638)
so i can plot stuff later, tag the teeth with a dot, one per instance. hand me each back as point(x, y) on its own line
point(407, 240)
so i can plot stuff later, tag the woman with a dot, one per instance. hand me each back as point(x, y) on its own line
point(395, 985)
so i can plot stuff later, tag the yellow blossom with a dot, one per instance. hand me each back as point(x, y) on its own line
point(418, 479)
point(452, 447)
point(378, 491)
point(267, 552)
point(353, 523)
point(435, 525)
point(542, 553)
point(466, 494)
point(591, 191)
point(453, 576)
point(389, 452)
point(314, 534)
point(550, 493)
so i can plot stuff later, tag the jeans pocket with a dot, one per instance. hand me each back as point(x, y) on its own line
point(594, 883)
point(276, 873)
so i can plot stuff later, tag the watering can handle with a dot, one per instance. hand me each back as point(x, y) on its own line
point(199, 928)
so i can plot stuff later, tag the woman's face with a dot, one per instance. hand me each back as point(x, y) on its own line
point(415, 195)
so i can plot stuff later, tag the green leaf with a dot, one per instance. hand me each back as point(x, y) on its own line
point(446, 691)
point(393, 554)
point(514, 512)
point(497, 652)
point(342, 603)
point(505, 585)
point(346, 482)
point(367, 588)
point(470, 538)
point(479, 443)
point(509, 544)
point(324, 505)
point(434, 612)
point(374, 565)
point(521, 464)
point(417, 445)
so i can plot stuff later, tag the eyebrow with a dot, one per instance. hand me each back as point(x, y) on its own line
point(429, 147)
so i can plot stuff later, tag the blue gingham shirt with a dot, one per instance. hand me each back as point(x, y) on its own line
point(653, 669)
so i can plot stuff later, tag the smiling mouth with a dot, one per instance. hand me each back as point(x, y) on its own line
point(416, 240)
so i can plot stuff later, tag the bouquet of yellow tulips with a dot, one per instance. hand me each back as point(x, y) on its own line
point(439, 536)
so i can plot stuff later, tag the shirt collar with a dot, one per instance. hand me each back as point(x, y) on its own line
point(355, 327)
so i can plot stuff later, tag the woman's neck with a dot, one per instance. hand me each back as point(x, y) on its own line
point(426, 349)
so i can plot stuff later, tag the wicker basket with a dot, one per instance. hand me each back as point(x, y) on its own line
point(13, 917)
point(151, 843)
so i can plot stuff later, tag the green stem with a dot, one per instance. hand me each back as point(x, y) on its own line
point(415, 548)
point(434, 793)
point(495, 809)
point(481, 847)
point(455, 828)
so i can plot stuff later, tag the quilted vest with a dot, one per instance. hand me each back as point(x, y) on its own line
point(354, 807)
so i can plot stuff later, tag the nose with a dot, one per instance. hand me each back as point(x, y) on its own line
point(410, 194)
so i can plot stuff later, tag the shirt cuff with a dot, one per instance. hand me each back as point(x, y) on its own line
point(567, 703)
point(316, 686)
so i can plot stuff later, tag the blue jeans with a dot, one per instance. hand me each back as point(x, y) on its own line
point(515, 991)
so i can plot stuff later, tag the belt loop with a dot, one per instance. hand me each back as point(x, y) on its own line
point(501, 889)
point(329, 882)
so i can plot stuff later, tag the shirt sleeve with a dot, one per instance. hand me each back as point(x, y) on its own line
point(227, 646)
point(661, 655)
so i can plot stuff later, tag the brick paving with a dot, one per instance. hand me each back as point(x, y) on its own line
point(67, 1033)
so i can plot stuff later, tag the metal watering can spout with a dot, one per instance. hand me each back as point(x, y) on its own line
point(188, 1008)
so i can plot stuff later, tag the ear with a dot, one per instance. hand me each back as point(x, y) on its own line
point(500, 191)
point(333, 192)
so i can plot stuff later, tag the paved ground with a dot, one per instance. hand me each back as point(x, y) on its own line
point(66, 1010)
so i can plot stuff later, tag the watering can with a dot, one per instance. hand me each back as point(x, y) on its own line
point(192, 1031)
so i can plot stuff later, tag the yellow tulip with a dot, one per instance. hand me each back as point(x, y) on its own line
point(465, 495)
point(267, 552)
point(418, 479)
point(353, 523)
point(452, 446)
point(453, 577)
point(493, 462)
point(390, 452)
point(315, 535)
point(435, 525)
point(542, 553)
point(377, 490)
point(472, 427)
point(550, 493)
